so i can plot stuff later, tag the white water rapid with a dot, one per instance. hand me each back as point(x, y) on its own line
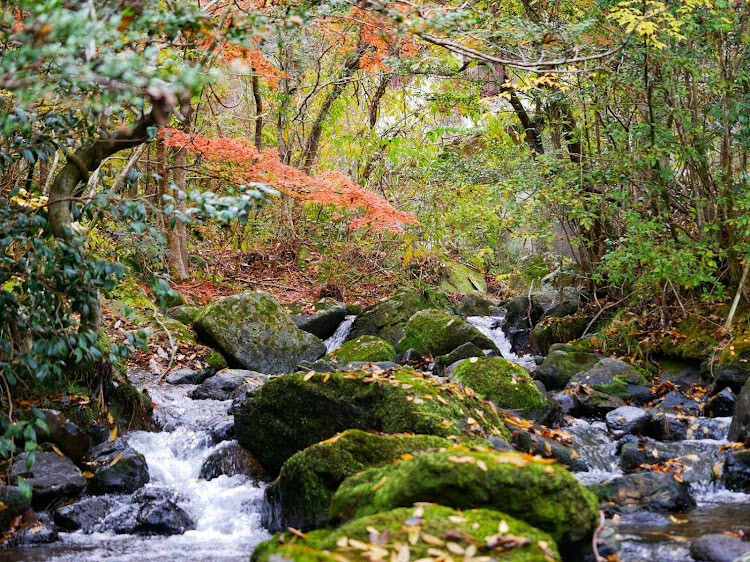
point(226, 510)
point(491, 326)
point(338, 337)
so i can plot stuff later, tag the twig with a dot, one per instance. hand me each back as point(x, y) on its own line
point(602, 309)
point(730, 317)
point(678, 296)
point(597, 556)
point(10, 398)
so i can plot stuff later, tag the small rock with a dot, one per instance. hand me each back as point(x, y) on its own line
point(162, 517)
point(718, 547)
point(36, 534)
point(527, 442)
point(221, 429)
point(653, 491)
point(633, 455)
point(737, 471)
point(677, 402)
point(118, 469)
point(669, 427)
point(228, 384)
point(230, 459)
point(720, 405)
point(412, 356)
point(69, 438)
point(368, 366)
point(183, 313)
point(187, 376)
point(464, 351)
point(627, 420)
point(86, 514)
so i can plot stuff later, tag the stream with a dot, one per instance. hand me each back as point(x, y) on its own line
point(227, 510)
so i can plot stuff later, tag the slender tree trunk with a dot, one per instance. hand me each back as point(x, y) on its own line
point(181, 265)
point(258, 112)
point(174, 255)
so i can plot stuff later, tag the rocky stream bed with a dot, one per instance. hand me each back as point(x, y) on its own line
point(420, 434)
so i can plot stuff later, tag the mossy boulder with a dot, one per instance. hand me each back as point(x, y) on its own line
point(436, 332)
point(614, 378)
point(462, 279)
point(295, 411)
point(254, 332)
point(387, 319)
point(508, 385)
point(476, 303)
point(363, 348)
point(733, 368)
point(301, 496)
point(552, 330)
point(535, 490)
point(183, 313)
point(561, 365)
point(420, 534)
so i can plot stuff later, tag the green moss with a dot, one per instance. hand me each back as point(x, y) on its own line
point(131, 408)
point(215, 360)
point(559, 330)
point(435, 332)
point(290, 413)
point(302, 493)
point(542, 494)
point(427, 533)
point(462, 279)
point(738, 351)
point(363, 348)
point(185, 314)
point(505, 383)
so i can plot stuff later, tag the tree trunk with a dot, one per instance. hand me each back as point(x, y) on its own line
point(258, 113)
point(174, 248)
point(181, 265)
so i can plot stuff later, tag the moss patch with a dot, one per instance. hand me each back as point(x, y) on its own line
point(435, 332)
point(559, 330)
point(426, 536)
point(295, 411)
point(544, 495)
point(505, 383)
point(301, 496)
point(363, 348)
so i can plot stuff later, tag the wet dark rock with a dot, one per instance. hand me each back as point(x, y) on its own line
point(521, 316)
point(51, 477)
point(35, 534)
point(561, 365)
point(87, 514)
point(117, 468)
point(15, 504)
point(739, 430)
point(324, 321)
point(564, 401)
point(221, 429)
point(479, 304)
point(669, 427)
point(627, 420)
point(227, 384)
point(464, 351)
point(737, 471)
point(633, 455)
point(718, 548)
point(162, 517)
point(412, 356)
point(675, 401)
point(67, 436)
point(98, 433)
point(615, 378)
point(594, 404)
point(230, 459)
point(187, 376)
point(721, 405)
point(652, 491)
point(733, 375)
point(534, 444)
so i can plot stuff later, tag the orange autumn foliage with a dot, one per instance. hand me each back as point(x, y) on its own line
point(237, 160)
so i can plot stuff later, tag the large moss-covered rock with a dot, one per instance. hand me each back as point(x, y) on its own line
point(508, 385)
point(544, 495)
point(301, 495)
point(436, 332)
point(431, 532)
point(462, 279)
point(387, 319)
point(254, 332)
point(476, 303)
point(295, 411)
point(614, 378)
point(561, 365)
point(363, 348)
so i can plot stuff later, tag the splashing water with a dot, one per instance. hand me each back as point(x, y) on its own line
point(338, 337)
point(491, 326)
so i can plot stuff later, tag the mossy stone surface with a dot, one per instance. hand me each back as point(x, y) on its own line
point(611, 376)
point(254, 332)
point(425, 532)
point(507, 384)
point(554, 330)
point(363, 348)
point(387, 319)
point(462, 279)
point(215, 360)
point(295, 411)
point(436, 332)
point(301, 496)
point(561, 365)
point(542, 494)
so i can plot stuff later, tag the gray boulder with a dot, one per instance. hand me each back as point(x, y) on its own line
point(118, 469)
point(615, 378)
point(323, 322)
point(230, 459)
point(86, 515)
point(254, 332)
point(479, 304)
point(228, 384)
point(188, 376)
point(718, 547)
point(652, 491)
point(52, 476)
point(561, 365)
point(627, 420)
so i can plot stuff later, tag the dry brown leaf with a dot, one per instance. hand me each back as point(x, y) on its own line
point(308, 376)
point(116, 460)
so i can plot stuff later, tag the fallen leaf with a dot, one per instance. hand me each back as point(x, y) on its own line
point(308, 376)
point(87, 474)
point(116, 460)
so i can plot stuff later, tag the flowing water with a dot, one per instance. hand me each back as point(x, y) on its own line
point(491, 326)
point(226, 509)
point(338, 337)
